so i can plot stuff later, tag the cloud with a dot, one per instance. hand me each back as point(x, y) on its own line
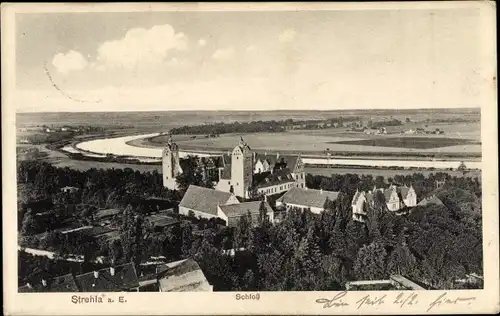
point(250, 48)
point(202, 42)
point(176, 62)
point(71, 61)
point(223, 53)
point(141, 47)
point(287, 35)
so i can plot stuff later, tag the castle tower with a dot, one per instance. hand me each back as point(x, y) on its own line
point(170, 164)
point(241, 169)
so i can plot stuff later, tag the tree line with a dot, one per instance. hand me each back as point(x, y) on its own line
point(434, 244)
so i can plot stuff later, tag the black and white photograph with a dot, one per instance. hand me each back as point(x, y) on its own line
point(252, 151)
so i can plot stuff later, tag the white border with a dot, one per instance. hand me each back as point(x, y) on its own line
point(486, 301)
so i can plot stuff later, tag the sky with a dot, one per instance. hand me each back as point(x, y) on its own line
point(317, 60)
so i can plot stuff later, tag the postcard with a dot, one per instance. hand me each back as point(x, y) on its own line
point(247, 158)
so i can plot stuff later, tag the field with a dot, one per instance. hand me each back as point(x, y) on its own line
point(460, 139)
point(409, 142)
point(385, 172)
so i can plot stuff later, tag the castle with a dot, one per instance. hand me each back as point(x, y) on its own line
point(243, 172)
point(396, 198)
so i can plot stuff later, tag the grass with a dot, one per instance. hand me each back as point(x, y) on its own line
point(334, 140)
point(385, 172)
point(409, 142)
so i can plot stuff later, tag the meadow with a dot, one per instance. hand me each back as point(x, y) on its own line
point(409, 142)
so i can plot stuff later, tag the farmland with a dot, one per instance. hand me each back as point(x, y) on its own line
point(409, 142)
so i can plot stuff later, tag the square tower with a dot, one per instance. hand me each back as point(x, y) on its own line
point(241, 169)
point(171, 167)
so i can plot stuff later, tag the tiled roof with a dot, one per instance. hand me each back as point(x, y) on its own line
point(430, 200)
point(64, 283)
point(266, 179)
point(204, 199)
point(307, 197)
point(124, 279)
point(183, 276)
point(290, 161)
point(237, 210)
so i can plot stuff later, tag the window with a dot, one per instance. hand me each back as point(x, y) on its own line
point(229, 182)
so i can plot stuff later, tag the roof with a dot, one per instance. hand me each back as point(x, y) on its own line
point(307, 197)
point(107, 213)
point(204, 199)
point(64, 283)
point(290, 161)
point(183, 276)
point(408, 284)
point(403, 190)
point(356, 197)
point(266, 179)
point(237, 210)
point(124, 278)
point(433, 199)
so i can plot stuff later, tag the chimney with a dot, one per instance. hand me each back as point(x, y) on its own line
point(96, 274)
point(112, 271)
point(44, 282)
point(265, 198)
point(277, 155)
point(321, 191)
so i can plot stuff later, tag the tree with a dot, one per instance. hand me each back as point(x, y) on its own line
point(370, 262)
point(408, 120)
point(187, 239)
point(28, 224)
point(242, 232)
point(401, 260)
point(191, 174)
point(263, 220)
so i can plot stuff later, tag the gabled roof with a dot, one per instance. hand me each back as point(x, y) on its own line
point(124, 278)
point(64, 283)
point(289, 160)
point(107, 213)
point(433, 199)
point(267, 179)
point(203, 199)
point(237, 210)
point(403, 190)
point(183, 276)
point(356, 197)
point(307, 197)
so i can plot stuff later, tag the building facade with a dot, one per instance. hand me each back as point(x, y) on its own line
point(395, 197)
point(171, 166)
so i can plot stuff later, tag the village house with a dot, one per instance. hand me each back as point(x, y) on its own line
point(209, 203)
point(182, 276)
point(233, 213)
point(113, 279)
point(64, 283)
point(121, 278)
point(204, 202)
point(395, 197)
point(69, 189)
point(304, 199)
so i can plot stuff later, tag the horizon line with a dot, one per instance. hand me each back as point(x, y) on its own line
point(266, 110)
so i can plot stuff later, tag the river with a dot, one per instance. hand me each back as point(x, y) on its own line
point(118, 146)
